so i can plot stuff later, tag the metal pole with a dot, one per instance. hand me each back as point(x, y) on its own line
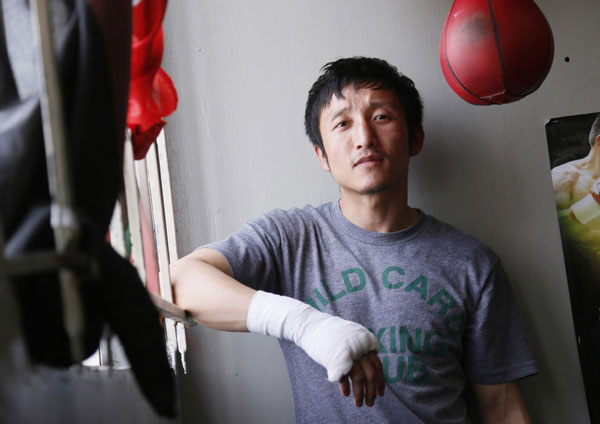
point(165, 180)
point(133, 208)
point(164, 279)
point(62, 217)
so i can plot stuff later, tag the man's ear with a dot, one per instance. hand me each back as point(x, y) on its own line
point(416, 144)
point(322, 158)
point(597, 143)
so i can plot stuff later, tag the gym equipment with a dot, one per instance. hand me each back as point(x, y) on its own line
point(495, 51)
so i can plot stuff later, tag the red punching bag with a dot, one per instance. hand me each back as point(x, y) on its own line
point(495, 51)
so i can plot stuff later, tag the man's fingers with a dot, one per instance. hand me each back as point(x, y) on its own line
point(344, 386)
point(376, 362)
point(370, 381)
point(358, 383)
point(367, 380)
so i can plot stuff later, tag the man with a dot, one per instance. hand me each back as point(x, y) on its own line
point(572, 180)
point(379, 276)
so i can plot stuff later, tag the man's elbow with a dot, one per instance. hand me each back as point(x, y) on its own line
point(179, 272)
point(176, 270)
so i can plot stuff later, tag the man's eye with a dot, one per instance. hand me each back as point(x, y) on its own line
point(380, 117)
point(341, 124)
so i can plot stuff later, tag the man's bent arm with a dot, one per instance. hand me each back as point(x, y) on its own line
point(203, 285)
point(501, 403)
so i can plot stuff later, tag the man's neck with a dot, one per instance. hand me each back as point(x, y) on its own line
point(383, 212)
point(592, 160)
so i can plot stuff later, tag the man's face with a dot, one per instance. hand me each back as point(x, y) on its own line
point(365, 136)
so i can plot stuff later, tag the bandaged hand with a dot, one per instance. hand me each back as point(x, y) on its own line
point(333, 342)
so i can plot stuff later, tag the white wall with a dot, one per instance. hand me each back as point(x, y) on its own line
point(243, 69)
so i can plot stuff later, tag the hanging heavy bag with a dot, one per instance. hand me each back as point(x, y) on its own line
point(94, 110)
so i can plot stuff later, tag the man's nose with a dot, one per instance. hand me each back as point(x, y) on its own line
point(365, 135)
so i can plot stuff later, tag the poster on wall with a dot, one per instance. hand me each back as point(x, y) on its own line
point(574, 148)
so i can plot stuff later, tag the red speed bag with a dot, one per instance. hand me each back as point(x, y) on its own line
point(495, 51)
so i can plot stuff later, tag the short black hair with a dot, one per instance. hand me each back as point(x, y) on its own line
point(363, 72)
point(595, 131)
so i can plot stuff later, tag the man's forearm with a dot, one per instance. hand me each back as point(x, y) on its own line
point(501, 404)
point(203, 286)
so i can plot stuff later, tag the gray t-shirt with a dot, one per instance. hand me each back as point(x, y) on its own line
point(438, 301)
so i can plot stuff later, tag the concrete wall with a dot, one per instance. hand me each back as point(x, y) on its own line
point(243, 69)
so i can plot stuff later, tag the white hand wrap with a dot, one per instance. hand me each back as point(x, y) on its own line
point(331, 341)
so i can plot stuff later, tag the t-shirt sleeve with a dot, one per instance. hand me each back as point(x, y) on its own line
point(495, 345)
point(252, 254)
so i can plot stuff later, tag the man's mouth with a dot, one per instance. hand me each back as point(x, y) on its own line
point(368, 160)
